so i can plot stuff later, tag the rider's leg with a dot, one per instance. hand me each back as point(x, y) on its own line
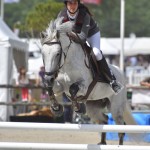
point(105, 70)
point(103, 66)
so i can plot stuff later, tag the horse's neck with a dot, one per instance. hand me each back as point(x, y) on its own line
point(73, 51)
point(74, 65)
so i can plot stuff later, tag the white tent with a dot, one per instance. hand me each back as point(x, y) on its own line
point(108, 47)
point(132, 46)
point(13, 53)
point(140, 46)
point(35, 60)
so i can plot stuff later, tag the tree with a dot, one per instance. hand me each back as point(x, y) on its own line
point(15, 13)
point(39, 18)
point(137, 17)
point(34, 15)
point(108, 17)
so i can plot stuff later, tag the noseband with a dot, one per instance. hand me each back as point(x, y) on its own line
point(51, 43)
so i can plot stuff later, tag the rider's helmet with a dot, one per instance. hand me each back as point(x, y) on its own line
point(65, 1)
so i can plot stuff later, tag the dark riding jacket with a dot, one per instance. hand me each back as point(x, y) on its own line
point(85, 25)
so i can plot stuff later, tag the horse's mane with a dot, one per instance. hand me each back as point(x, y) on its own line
point(57, 26)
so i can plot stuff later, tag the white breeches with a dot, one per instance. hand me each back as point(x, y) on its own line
point(94, 42)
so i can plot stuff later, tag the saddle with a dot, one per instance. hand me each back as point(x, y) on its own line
point(93, 64)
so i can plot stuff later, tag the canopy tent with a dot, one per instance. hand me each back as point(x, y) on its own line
point(140, 46)
point(108, 47)
point(14, 54)
point(35, 61)
point(132, 46)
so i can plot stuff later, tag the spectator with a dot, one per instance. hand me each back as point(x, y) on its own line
point(23, 80)
point(40, 81)
point(25, 92)
point(133, 61)
point(146, 82)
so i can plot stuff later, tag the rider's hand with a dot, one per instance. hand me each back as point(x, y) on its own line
point(73, 36)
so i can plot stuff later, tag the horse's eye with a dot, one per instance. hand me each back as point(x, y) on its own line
point(58, 54)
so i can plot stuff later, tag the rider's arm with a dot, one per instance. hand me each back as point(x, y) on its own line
point(85, 28)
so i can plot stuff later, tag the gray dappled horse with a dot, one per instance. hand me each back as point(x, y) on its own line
point(65, 71)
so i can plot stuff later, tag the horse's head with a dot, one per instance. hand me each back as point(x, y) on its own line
point(52, 49)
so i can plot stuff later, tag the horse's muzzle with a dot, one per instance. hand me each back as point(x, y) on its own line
point(49, 81)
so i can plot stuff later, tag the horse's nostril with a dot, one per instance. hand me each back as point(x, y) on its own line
point(49, 80)
point(52, 80)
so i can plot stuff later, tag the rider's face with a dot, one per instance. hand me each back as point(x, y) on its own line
point(72, 6)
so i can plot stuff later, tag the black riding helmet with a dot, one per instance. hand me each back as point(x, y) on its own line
point(65, 1)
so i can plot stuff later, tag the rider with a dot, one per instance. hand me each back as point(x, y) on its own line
point(88, 30)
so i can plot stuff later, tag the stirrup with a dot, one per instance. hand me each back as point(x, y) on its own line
point(116, 86)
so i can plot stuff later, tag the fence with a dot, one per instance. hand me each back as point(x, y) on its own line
point(76, 128)
point(44, 146)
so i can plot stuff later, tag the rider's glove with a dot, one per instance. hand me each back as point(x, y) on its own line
point(74, 37)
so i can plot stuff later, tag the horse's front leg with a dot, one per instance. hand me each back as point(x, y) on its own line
point(77, 107)
point(55, 107)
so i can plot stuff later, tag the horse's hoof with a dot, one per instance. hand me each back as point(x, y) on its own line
point(57, 112)
point(82, 109)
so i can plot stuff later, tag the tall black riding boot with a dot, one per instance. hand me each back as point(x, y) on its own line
point(106, 72)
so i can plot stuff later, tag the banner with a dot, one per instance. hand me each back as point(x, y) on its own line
point(92, 1)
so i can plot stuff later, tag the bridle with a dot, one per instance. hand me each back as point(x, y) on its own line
point(55, 73)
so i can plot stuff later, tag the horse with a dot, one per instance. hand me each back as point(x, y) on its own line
point(66, 70)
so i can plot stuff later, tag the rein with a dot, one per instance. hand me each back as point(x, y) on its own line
point(92, 84)
point(95, 80)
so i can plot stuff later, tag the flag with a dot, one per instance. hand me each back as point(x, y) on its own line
point(92, 1)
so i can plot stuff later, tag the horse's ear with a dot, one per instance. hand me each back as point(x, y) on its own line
point(42, 35)
point(57, 35)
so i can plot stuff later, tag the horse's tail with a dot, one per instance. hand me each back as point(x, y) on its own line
point(129, 120)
